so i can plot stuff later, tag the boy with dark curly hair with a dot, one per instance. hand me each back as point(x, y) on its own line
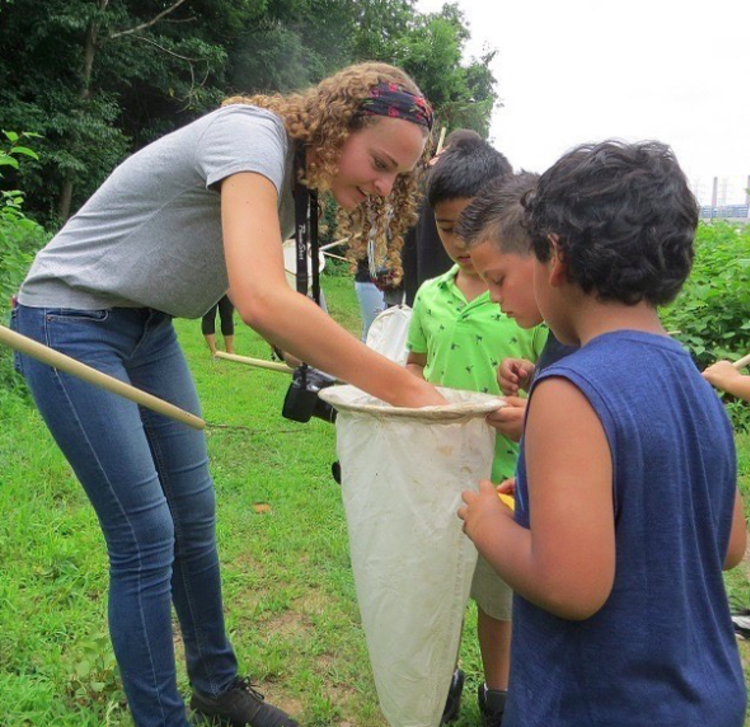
point(626, 511)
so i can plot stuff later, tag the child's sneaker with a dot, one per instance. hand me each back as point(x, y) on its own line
point(741, 625)
point(240, 706)
point(491, 706)
point(740, 618)
point(453, 703)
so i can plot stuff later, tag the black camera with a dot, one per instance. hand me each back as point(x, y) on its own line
point(302, 402)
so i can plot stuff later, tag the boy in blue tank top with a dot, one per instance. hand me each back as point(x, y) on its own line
point(627, 508)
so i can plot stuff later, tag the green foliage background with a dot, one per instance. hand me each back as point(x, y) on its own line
point(98, 79)
point(20, 238)
point(711, 312)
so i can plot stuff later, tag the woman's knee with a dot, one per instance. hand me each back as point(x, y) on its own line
point(195, 519)
point(141, 542)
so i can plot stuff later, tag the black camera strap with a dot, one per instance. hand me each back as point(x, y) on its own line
point(301, 401)
point(306, 229)
point(305, 237)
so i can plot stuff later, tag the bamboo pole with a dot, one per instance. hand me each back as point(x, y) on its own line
point(335, 257)
point(60, 361)
point(257, 362)
point(323, 248)
point(339, 242)
point(741, 363)
point(441, 140)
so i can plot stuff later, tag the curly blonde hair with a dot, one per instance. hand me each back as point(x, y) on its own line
point(322, 117)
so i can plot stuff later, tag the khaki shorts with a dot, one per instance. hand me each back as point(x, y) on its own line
point(491, 593)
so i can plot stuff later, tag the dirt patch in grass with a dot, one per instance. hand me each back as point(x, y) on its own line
point(313, 603)
point(288, 623)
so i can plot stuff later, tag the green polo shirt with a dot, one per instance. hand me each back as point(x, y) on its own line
point(465, 343)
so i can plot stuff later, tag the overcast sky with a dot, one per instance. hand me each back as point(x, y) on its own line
point(572, 71)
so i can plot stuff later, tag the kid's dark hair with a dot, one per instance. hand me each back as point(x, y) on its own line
point(458, 135)
point(496, 215)
point(624, 219)
point(463, 169)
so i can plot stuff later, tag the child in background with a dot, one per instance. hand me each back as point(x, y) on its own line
point(724, 376)
point(457, 338)
point(492, 227)
point(423, 255)
point(626, 511)
point(208, 325)
point(370, 298)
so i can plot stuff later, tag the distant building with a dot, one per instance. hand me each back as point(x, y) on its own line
point(731, 212)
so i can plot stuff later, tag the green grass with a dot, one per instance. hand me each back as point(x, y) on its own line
point(289, 595)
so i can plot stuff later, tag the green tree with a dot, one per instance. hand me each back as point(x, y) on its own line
point(430, 48)
point(82, 60)
point(20, 237)
point(98, 79)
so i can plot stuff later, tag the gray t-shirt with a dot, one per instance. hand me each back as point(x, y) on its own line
point(151, 235)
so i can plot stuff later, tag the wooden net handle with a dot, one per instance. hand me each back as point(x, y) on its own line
point(60, 361)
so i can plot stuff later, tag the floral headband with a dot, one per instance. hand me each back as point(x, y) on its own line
point(389, 99)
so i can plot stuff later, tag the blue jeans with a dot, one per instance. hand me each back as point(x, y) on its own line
point(147, 478)
point(371, 303)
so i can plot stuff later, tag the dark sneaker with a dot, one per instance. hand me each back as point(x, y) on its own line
point(453, 703)
point(491, 706)
point(741, 625)
point(240, 706)
point(740, 618)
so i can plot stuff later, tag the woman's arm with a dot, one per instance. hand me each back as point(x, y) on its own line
point(565, 563)
point(264, 300)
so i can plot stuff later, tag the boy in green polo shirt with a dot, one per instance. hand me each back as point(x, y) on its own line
point(457, 338)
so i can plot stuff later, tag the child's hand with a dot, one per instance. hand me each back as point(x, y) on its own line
point(507, 487)
point(482, 511)
point(514, 373)
point(721, 375)
point(415, 363)
point(508, 420)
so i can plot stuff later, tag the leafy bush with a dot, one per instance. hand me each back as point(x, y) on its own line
point(20, 238)
point(712, 311)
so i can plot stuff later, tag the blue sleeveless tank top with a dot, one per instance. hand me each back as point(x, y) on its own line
point(661, 652)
